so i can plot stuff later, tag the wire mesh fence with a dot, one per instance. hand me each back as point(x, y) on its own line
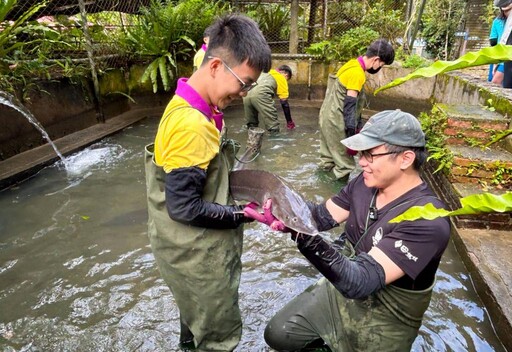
point(101, 26)
point(63, 35)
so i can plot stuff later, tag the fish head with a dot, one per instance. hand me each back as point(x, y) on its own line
point(293, 211)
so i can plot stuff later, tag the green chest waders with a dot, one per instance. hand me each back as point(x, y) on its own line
point(332, 130)
point(201, 266)
point(259, 103)
point(386, 321)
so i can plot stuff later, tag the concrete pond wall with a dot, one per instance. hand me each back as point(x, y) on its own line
point(65, 106)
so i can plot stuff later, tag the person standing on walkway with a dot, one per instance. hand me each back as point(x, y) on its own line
point(377, 276)
point(506, 38)
point(498, 25)
point(199, 56)
point(260, 101)
point(340, 111)
point(194, 227)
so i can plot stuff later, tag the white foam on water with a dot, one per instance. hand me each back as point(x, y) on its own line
point(93, 158)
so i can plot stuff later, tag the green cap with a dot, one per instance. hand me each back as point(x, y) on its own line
point(389, 126)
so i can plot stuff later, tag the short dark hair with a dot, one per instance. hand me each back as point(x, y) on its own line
point(286, 69)
point(207, 32)
point(237, 38)
point(420, 152)
point(383, 50)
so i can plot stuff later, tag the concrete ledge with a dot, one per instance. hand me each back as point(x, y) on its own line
point(487, 258)
point(26, 164)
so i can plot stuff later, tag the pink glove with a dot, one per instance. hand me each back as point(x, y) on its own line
point(266, 218)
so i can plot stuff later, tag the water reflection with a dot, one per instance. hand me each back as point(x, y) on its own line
point(77, 273)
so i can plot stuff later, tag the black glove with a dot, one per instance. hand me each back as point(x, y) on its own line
point(324, 220)
point(356, 278)
point(286, 110)
point(183, 190)
point(349, 112)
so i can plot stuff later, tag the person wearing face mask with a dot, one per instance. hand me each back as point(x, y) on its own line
point(340, 111)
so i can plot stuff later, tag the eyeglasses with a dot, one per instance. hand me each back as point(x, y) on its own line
point(244, 86)
point(369, 156)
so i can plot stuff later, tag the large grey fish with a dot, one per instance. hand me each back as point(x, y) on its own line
point(287, 205)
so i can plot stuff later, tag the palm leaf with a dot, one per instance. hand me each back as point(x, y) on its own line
point(470, 205)
point(485, 56)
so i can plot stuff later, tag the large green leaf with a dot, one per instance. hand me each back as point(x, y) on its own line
point(470, 205)
point(9, 29)
point(485, 56)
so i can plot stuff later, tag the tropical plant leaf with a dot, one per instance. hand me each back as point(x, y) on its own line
point(499, 136)
point(470, 205)
point(164, 73)
point(10, 29)
point(485, 56)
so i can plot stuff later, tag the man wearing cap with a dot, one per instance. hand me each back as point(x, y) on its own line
point(378, 276)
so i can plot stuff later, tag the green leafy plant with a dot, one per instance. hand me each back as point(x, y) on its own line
point(415, 61)
point(320, 49)
point(163, 34)
point(433, 125)
point(273, 20)
point(440, 21)
point(500, 135)
point(350, 45)
point(11, 30)
point(381, 18)
point(485, 56)
point(501, 174)
point(24, 49)
point(470, 205)
point(160, 34)
point(488, 105)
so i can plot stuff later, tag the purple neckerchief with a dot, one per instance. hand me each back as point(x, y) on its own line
point(197, 102)
point(204, 47)
point(361, 62)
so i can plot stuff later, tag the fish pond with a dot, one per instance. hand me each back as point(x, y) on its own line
point(77, 272)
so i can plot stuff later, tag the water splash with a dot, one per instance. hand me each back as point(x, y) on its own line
point(11, 101)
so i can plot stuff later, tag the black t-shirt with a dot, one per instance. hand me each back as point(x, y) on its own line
point(415, 246)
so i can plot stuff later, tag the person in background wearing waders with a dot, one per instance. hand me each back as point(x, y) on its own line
point(340, 112)
point(199, 56)
point(194, 229)
point(498, 24)
point(378, 276)
point(260, 101)
point(506, 38)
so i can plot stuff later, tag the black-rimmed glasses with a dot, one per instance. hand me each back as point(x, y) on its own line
point(369, 156)
point(244, 86)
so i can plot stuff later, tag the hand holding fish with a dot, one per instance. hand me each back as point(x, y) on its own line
point(267, 217)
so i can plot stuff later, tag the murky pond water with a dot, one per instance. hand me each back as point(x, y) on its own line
point(77, 272)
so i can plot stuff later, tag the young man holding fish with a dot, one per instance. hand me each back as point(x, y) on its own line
point(194, 229)
point(378, 276)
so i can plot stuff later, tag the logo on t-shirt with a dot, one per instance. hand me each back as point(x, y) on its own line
point(377, 237)
point(404, 249)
